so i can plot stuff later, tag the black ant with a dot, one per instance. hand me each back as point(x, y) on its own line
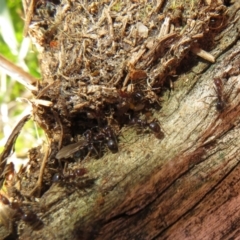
point(60, 177)
point(154, 126)
point(14, 209)
point(221, 103)
point(93, 143)
point(31, 219)
point(75, 177)
point(130, 100)
point(108, 136)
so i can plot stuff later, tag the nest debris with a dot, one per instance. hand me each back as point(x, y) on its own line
point(105, 60)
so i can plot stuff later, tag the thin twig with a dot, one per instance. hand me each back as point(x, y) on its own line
point(203, 54)
point(38, 186)
point(61, 128)
point(18, 73)
point(45, 89)
point(28, 18)
point(9, 146)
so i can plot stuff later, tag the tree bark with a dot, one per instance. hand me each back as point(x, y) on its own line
point(183, 186)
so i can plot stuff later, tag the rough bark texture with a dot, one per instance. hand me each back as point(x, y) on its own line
point(184, 186)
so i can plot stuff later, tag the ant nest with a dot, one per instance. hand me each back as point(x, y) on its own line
point(105, 63)
point(104, 60)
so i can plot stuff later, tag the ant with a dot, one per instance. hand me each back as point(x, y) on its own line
point(60, 177)
point(154, 126)
point(93, 142)
point(75, 176)
point(30, 218)
point(221, 103)
point(130, 100)
point(108, 136)
point(14, 209)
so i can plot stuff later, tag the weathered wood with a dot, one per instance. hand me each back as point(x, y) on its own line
point(184, 186)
